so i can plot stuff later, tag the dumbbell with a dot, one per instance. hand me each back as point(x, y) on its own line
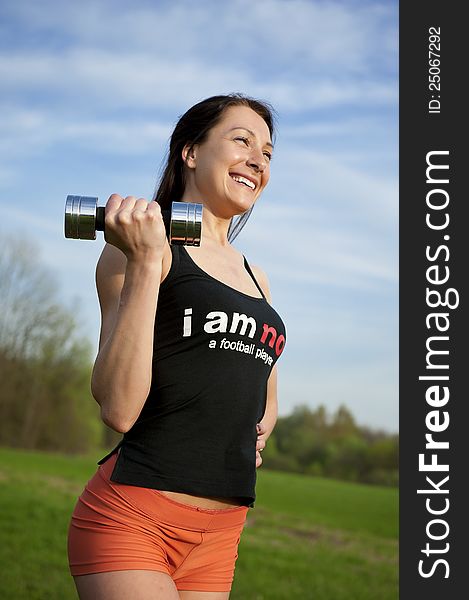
point(83, 218)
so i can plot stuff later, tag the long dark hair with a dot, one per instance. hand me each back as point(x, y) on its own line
point(193, 128)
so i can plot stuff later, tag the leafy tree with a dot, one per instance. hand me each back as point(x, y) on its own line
point(45, 366)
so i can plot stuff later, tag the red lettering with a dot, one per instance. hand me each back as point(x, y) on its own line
point(279, 345)
point(273, 335)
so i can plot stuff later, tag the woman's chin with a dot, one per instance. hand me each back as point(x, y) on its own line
point(242, 206)
point(229, 207)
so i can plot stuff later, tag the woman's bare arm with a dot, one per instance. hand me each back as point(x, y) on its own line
point(270, 416)
point(128, 279)
point(269, 419)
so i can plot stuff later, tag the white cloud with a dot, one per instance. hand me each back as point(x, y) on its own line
point(25, 132)
point(298, 32)
point(338, 127)
point(125, 79)
point(118, 137)
point(325, 54)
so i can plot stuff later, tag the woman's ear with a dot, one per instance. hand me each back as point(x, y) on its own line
point(189, 155)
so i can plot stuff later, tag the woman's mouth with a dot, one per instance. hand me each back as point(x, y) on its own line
point(243, 181)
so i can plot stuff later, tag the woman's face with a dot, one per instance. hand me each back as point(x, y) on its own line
point(229, 170)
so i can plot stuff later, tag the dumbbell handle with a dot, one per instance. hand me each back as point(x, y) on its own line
point(83, 217)
point(100, 215)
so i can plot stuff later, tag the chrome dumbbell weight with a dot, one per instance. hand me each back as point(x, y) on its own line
point(83, 218)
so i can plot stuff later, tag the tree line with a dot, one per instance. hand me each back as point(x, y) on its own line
point(316, 443)
point(46, 403)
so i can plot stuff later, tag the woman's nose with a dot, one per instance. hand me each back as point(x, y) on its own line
point(257, 161)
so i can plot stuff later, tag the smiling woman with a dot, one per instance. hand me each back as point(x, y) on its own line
point(228, 171)
point(194, 127)
point(193, 391)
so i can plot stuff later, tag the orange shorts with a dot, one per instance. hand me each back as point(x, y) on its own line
point(116, 527)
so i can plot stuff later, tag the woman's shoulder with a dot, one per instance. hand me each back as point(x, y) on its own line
point(112, 261)
point(262, 280)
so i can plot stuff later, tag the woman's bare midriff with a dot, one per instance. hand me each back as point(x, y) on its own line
point(202, 501)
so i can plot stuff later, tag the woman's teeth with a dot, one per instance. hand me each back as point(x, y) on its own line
point(247, 182)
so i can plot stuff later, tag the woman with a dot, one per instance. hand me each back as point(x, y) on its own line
point(185, 370)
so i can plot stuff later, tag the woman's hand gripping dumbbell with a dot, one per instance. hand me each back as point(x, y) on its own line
point(130, 223)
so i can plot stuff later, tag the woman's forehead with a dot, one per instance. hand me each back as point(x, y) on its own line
point(243, 117)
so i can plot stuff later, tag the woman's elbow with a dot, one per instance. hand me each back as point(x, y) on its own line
point(109, 416)
point(119, 408)
point(114, 422)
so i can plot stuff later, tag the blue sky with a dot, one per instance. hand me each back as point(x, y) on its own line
point(91, 92)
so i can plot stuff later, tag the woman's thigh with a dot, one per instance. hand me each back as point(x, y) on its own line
point(126, 585)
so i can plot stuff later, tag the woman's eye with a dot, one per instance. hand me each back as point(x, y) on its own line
point(246, 141)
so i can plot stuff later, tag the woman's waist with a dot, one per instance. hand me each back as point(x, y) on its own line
point(173, 488)
point(202, 501)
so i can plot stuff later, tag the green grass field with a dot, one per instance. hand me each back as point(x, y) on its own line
point(306, 538)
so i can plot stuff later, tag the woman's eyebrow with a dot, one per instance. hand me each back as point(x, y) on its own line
point(250, 133)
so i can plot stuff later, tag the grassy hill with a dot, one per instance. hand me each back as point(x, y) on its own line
point(306, 538)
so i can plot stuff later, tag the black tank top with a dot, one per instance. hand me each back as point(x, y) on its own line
point(214, 349)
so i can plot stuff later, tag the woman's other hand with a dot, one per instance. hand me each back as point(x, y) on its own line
point(261, 441)
point(135, 226)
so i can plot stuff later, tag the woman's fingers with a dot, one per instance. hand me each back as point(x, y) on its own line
point(154, 208)
point(118, 204)
point(134, 225)
point(114, 203)
point(261, 431)
point(260, 444)
point(258, 459)
point(141, 204)
point(128, 203)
